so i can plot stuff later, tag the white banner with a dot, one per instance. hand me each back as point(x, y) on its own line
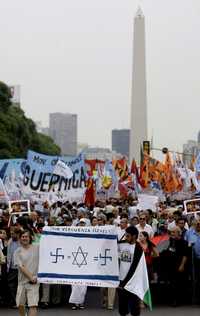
point(79, 255)
point(62, 169)
point(3, 194)
point(39, 176)
point(147, 201)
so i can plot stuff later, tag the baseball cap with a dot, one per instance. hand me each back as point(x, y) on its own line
point(82, 220)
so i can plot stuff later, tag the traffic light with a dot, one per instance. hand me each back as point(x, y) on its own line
point(146, 147)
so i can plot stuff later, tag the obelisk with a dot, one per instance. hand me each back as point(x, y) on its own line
point(139, 95)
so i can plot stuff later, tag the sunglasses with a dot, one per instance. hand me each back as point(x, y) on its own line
point(142, 218)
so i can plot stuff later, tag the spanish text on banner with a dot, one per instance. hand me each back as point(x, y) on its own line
point(79, 255)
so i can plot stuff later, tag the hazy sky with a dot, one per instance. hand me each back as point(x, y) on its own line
point(76, 56)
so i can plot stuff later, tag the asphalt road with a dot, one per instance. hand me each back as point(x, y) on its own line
point(93, 308)
point(157, 311)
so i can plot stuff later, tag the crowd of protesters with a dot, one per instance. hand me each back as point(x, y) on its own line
point(169, 238)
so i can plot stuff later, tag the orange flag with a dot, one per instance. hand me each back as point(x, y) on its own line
point(144, 172)
point(192, 163)
point(121, 168)
point(172, 181)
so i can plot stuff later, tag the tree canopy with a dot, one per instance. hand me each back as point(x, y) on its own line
point(18, 133)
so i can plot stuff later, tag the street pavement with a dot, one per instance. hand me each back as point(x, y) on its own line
point(93, 308)
point(157, 311)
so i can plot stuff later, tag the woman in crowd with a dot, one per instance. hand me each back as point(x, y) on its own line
point(94, 221)
point(150, 252)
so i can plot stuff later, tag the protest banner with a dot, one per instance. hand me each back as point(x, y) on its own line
point(11, 173)
point(3, 194)
point(62, 169)
point(39, 175)
point(79, 255)
point(147, 201)
point(11, 167)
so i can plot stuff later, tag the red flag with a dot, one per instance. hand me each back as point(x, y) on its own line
point(134, 170)
point(123, 190)
point(93, 165)
point(90, 193)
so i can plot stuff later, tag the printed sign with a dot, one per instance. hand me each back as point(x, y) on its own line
point(147, 201)
point(16, 209)
point(19, 207)
point(39, 174)
point(192, 206)
point(79, 255)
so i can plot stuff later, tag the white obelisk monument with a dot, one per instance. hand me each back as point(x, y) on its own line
point(139, 95)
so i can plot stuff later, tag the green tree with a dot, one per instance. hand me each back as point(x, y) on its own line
point(5, 96)
point(46, 145)
point(18, 133)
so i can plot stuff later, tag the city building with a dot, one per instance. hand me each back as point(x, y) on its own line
point(190, 150)
point(198, 137)
point(81, 147)
point(120, 141)
point(138, 132)
point(15, 95)
point(100, 153)
point(63, 130)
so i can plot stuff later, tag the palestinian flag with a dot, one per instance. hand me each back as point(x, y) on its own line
point(138, 284)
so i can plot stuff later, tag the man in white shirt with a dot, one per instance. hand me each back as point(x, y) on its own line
point(143, 226)
point(175, 216)
point(132, 209)
point(121, 230)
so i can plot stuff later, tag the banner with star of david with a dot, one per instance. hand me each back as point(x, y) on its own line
point(79, 255)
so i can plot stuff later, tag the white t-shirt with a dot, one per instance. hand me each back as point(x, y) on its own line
point(116, 221)
point(54, 212)
point(172, 225)
point(120, 232)
point(132, 211)
point(147, 228)
point(29, 257)
point(126, 254)
point(96, 211)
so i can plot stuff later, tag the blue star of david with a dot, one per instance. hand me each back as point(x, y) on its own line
point(79, 257)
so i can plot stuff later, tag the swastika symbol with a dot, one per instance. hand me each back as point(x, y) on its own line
point(57, 255)
point(104, 257)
